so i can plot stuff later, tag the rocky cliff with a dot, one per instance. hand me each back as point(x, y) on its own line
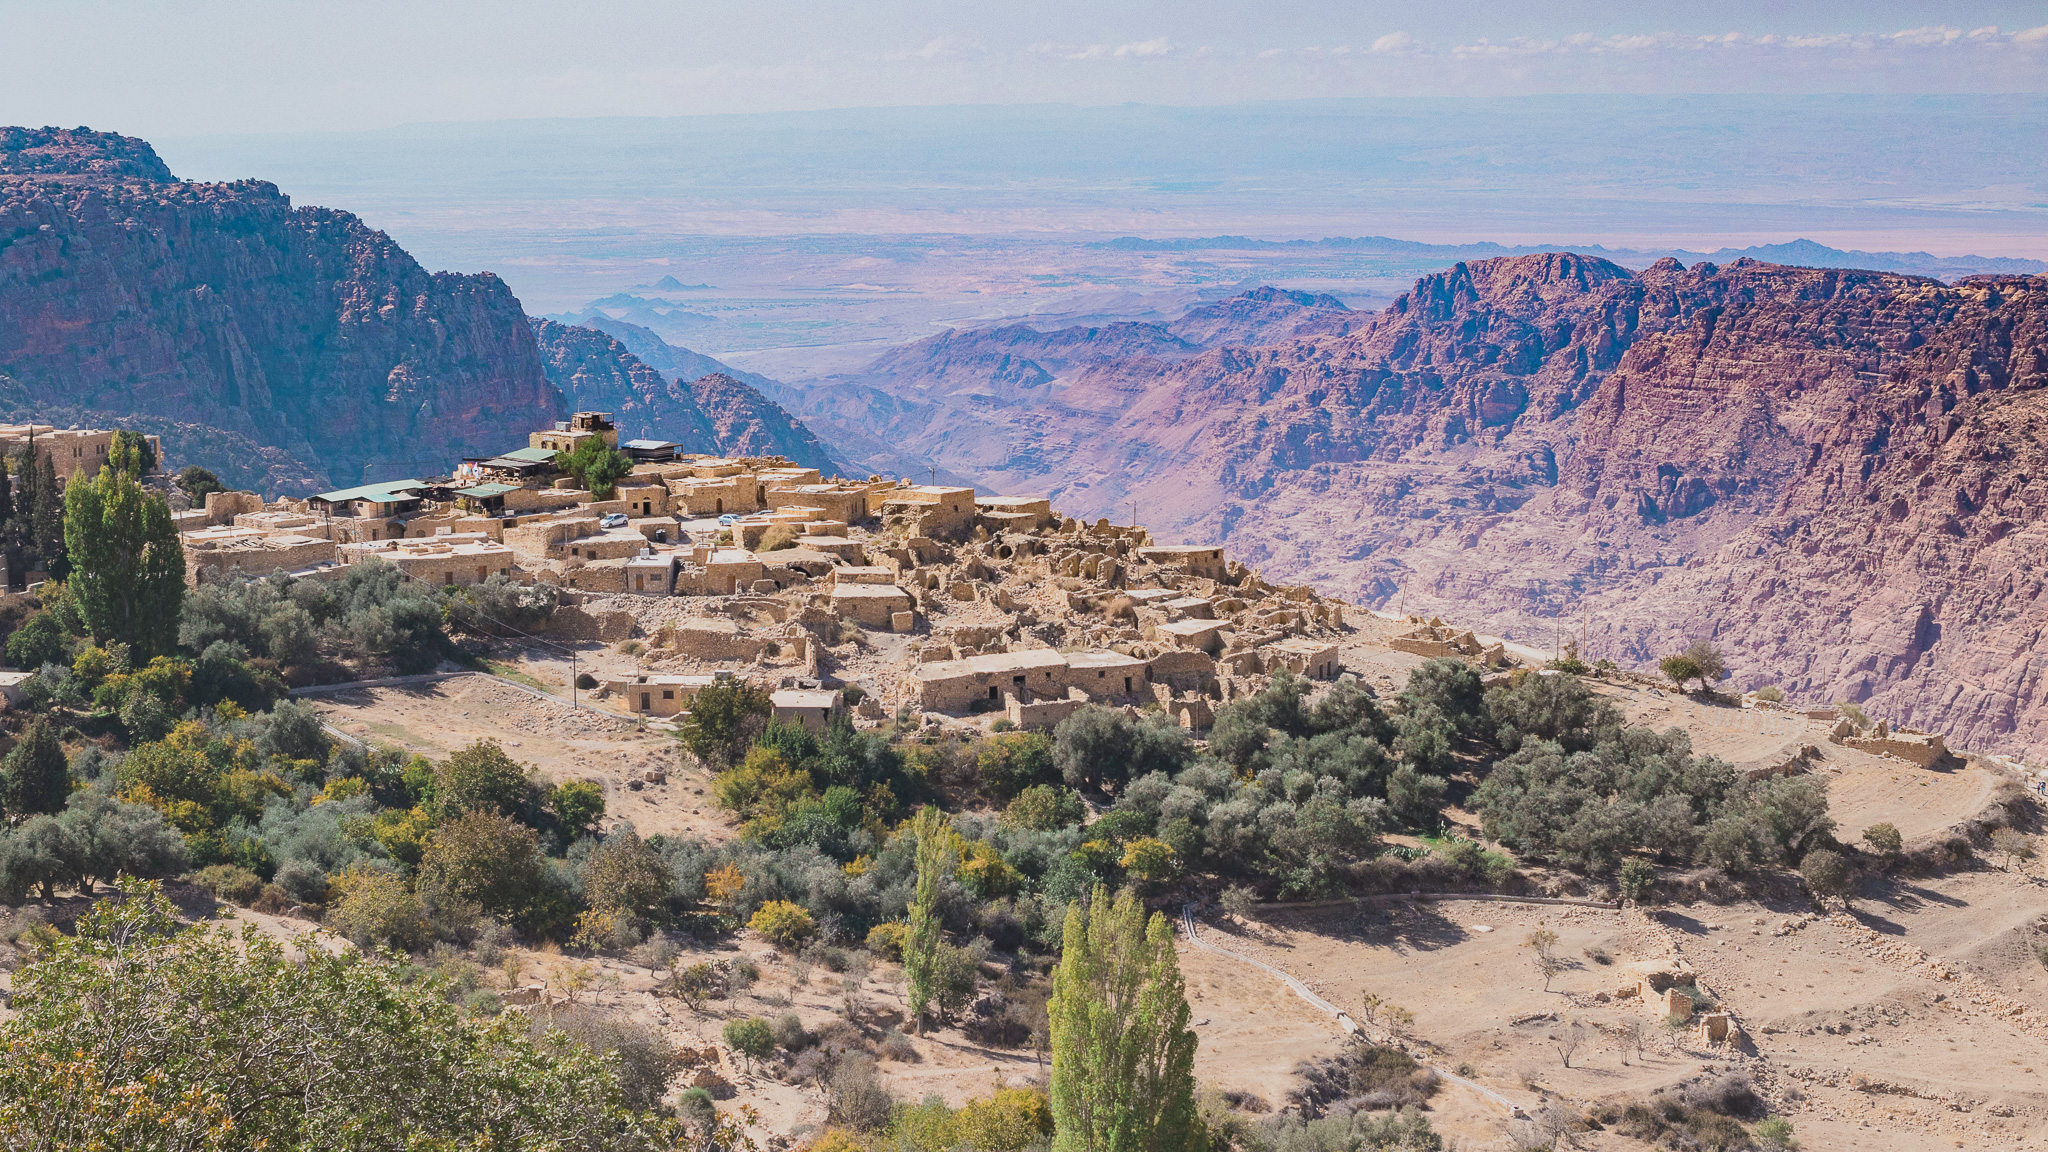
point(1840, 476)
point(286, 348)
point(713, 414)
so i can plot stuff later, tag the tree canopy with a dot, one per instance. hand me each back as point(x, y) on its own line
point(129, 568)
point(140, 1035)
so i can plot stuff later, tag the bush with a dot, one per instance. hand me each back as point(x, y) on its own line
point(230, 882)
point(311, 1050)
point(625, 875)
point(1826, 872)
point(886, 939)
point(1771, 694)
point(1637, 880)
point(577, 804)
point(1884, 839)
point(198, 482)
point(783, 924)
point(856, 1096)
point(1362, 1076)
point(482, 778)
point(789, 1032)
point(645, 1059)
point(750, 1037)
point(723, 721)
point(488, 862)
point(1010, 764)
point(375, 909)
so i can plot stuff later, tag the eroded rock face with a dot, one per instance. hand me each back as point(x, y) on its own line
point(126, 296)
point(1840, 476)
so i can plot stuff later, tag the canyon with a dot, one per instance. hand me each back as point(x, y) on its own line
point(1838, 476)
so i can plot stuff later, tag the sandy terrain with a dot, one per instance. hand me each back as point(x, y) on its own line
point(562, 743)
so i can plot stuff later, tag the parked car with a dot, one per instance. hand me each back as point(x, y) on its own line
point(614, 520)
point(728, 520)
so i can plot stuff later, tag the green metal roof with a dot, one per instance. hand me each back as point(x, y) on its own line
point(531, 455)
point(383, 492)
point(483, 490)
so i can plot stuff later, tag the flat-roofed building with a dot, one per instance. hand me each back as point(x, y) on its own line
point(1195, 559)
point(660, 695)
point(1022, 513)
point(443, 560)
point(939, 511)
point(811, 707)
point(1102, 673)
point(380, 501)
point(871, 605)
point(959, 685)
point(1315, 659)
point(651, 451)
point(70, 450)
point(568, 435)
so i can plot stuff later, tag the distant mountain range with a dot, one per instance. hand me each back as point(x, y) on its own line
point(1806, 253)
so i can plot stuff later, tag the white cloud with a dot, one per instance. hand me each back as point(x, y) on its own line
point(1394, 43)
point(2031, 35)
point(1270, 53)
point(1135, 49)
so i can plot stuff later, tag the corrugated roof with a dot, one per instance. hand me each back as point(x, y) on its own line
point(482, 490)
point(531, 455)
point(384, 492)
point(648, 445)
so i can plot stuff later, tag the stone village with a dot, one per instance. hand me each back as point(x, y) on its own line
point(929, 598)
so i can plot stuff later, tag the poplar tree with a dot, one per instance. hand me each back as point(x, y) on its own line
point(1123, 1056)
point(129, 580)
point(921, 933)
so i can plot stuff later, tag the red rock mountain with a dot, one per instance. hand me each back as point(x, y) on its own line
point(1840, 476)
point(125, 296)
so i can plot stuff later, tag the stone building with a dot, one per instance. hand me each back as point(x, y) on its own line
point(568, 435)
point(70, 450)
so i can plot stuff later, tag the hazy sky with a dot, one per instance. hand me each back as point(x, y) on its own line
point(229, 66)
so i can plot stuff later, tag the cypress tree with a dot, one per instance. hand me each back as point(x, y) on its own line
point(46, 519)
point(130, 579)
point(34, 776)
point(921, 933)
point(1123, 1056)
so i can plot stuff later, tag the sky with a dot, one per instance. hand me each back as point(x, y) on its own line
point(204, 67)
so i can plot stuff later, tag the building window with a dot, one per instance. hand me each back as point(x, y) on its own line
point(668, 693)
point(645, 702)
point(994, 693)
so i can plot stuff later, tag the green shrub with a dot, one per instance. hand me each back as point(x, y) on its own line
point(1884, 839)
point(1637, 880)
point(886, 939)
point(230, 882)
point(750, 1037)
point(783, 924)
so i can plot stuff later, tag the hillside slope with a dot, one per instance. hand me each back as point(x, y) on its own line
point(224, 317)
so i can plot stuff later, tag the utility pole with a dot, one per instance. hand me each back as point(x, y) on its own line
point(935, 476)
point(1134, 513)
